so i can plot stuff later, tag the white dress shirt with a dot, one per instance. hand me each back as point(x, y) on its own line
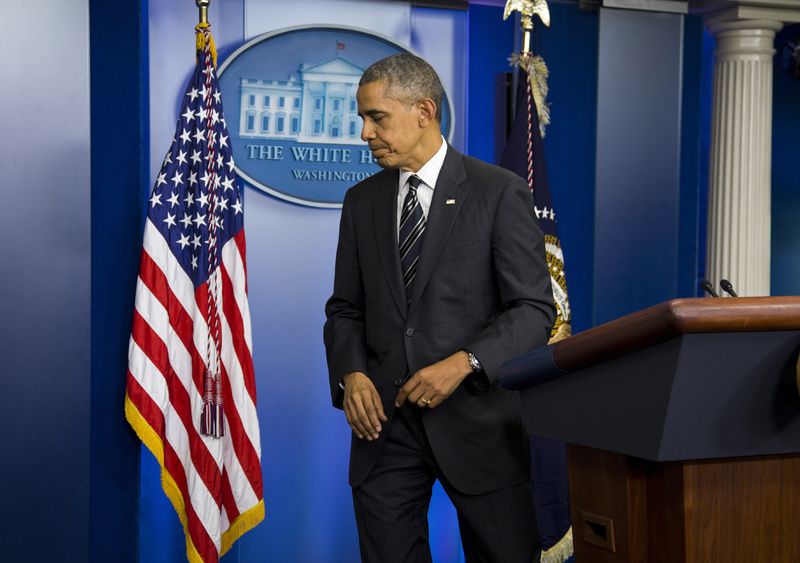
point(428, 174)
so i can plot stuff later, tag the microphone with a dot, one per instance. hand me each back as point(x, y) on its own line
point(706, 285)
point(726, 285)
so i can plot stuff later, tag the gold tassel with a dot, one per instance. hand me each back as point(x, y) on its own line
point(537, 72)
point(201, 42)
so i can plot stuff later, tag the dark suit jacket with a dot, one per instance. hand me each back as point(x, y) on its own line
point(482, 284)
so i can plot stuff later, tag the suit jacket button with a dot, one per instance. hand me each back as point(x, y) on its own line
point(398, 382)
point(409, 332)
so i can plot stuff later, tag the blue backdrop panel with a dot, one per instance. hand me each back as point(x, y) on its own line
point(45, 282)
point(638, 161)
point(785, 272)
point(695, 136)
point(491, 43)
point(119, 149)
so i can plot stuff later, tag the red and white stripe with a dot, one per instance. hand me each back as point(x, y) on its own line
point(215, 484)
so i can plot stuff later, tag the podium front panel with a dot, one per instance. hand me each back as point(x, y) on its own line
point(695, 396)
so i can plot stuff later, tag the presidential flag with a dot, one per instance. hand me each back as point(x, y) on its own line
point(191, 394)
point(524, 155)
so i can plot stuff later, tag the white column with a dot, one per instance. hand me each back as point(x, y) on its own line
point(738, 245)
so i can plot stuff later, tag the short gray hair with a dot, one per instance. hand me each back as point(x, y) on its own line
point(409, 79)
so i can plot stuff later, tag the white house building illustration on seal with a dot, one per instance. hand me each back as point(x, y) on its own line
point(319, 106)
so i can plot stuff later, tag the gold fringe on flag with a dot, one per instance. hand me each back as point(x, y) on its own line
point(244, 523)
point(561, 551)
point(537, 73)
point(151, 439)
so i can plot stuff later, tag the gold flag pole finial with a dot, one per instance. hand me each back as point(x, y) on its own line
point(527, 8)
point(203, 5)
point(533, 66)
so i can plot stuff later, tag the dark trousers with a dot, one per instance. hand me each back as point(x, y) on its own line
point(391, 506)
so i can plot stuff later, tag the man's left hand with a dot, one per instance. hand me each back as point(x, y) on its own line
point(430, 386)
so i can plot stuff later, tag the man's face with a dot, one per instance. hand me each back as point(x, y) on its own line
point(390, 128)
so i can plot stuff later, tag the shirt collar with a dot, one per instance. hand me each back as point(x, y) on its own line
point(430, 170)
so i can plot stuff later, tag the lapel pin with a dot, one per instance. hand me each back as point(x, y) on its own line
point(450, 202)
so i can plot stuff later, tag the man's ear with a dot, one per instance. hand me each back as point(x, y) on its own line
point(427, 111)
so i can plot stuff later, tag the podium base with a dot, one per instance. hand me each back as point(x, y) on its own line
point(627, 509)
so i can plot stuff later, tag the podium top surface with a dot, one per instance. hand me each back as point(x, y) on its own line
point(673, 318)
point(651, 326)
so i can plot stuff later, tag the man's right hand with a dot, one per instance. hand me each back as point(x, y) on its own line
point(362, 405)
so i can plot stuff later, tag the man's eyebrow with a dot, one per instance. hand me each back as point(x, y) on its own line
point(372, 112)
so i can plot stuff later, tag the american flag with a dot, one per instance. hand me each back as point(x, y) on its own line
point(191, 395)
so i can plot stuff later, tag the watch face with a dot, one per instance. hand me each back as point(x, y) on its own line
point(473, 361)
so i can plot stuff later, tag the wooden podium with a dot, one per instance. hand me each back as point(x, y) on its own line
point(682, 425)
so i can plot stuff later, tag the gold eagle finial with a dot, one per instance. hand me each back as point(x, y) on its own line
point(527, 8)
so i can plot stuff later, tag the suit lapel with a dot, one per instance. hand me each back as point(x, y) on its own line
point(448, 196)
point(385, 220)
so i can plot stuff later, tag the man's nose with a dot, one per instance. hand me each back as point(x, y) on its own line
point(367, 133)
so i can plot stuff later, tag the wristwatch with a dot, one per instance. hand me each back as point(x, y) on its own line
point(473, 361)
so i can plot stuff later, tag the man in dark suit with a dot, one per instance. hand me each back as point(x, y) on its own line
point(414, 349)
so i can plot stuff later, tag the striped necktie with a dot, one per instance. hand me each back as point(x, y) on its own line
point(412, 225)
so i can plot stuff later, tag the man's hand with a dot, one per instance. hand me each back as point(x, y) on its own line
point(430, 386)
point(362, 405)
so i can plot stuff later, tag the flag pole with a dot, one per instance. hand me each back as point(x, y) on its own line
point(203, 5)
point(527, 27)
